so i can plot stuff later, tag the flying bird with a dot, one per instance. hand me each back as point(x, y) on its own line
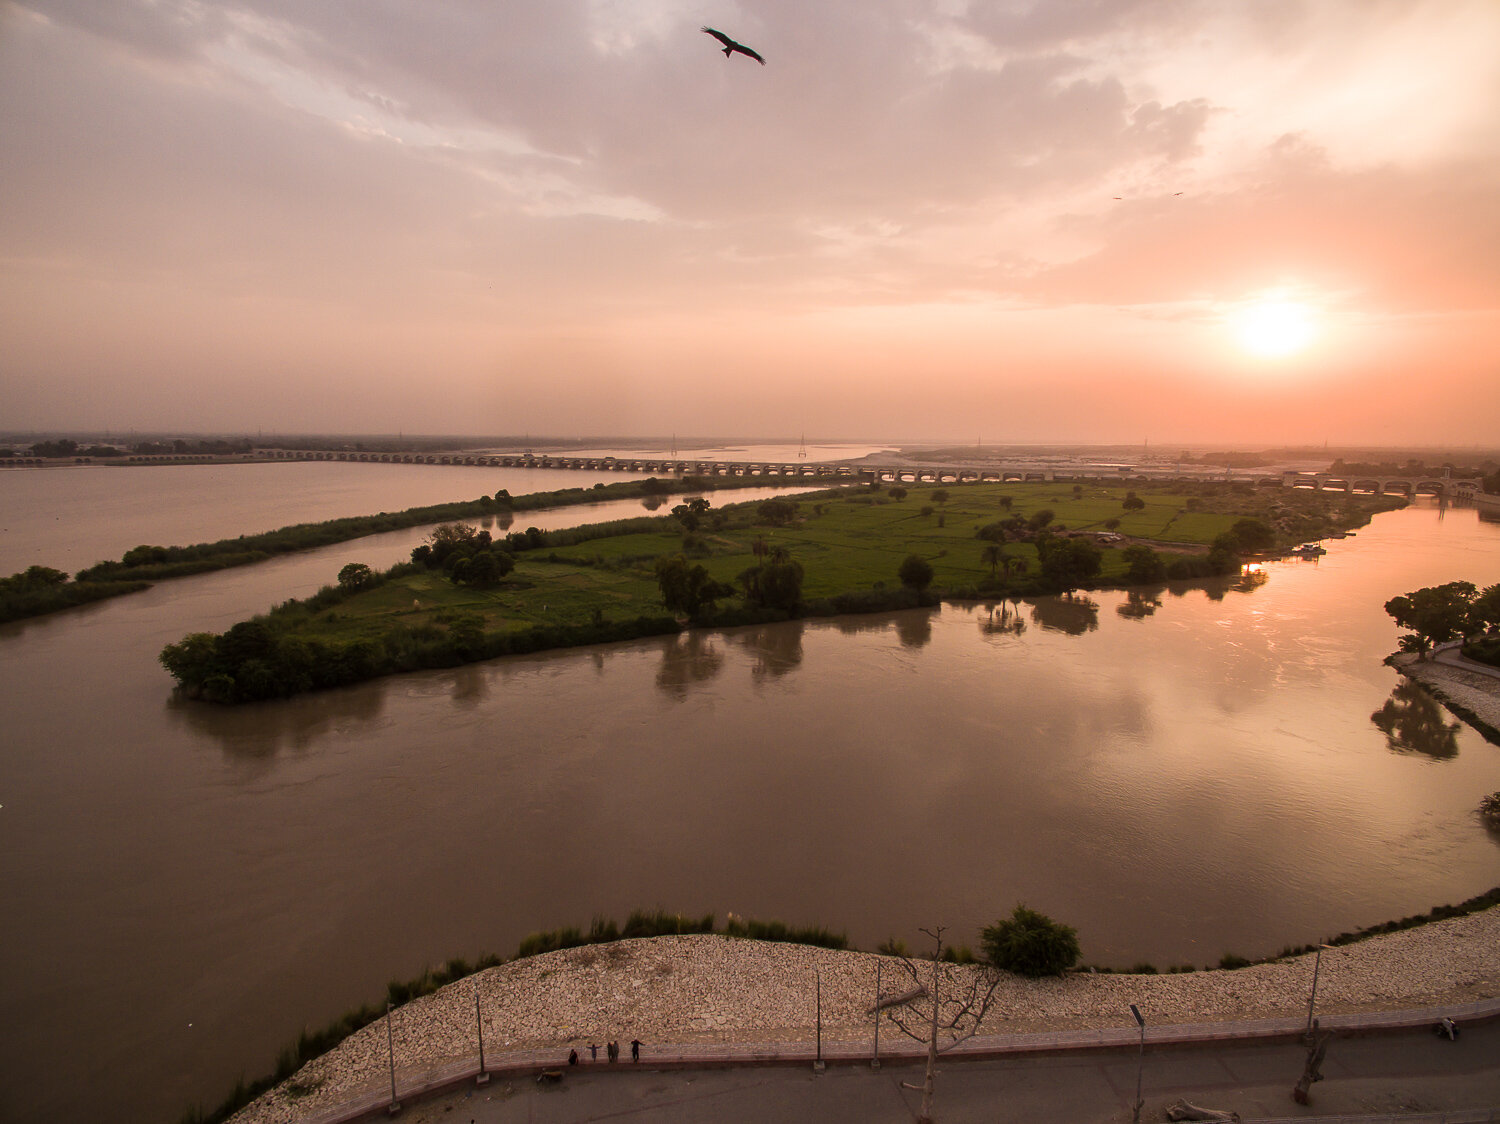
point(730, 46)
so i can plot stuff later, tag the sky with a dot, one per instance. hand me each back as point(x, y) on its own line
point(1212, 221)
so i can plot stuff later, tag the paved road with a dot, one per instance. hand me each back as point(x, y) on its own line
point(1409, 1072)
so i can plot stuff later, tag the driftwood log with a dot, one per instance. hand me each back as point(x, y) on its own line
point(1186, 1110)
point(898, 1000)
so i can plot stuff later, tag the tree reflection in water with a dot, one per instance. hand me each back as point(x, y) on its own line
point(777, 649)
point(254, 734)
point(914, 627)
point(1008, 623)
point(1414, 722)
point(688, 658)
point(1140, 603)
point(1072, 614)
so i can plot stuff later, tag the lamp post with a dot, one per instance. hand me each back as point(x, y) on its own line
point(818, 980)
point(1140, 1065)
point(875, 1061)
point(390, 1042)
point(1313, 998)
point(484, 1077)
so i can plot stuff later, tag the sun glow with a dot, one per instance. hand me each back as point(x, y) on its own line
point(1274, 329)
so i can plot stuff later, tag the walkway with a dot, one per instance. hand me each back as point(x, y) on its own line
point(1452, 655)
point(527, 1063)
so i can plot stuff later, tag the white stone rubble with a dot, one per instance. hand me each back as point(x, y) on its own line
point(697, 989)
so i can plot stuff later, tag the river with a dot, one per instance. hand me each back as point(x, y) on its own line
point(1178, 777)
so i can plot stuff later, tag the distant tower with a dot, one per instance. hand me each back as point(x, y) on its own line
point(802, 449)
point(674, 446)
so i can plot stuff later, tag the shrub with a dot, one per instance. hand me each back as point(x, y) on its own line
point(1489, 809)
point(1229, 961)
point(1030, 944)
point(915, 572)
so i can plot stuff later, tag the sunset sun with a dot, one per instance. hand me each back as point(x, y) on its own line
point(1274, 329)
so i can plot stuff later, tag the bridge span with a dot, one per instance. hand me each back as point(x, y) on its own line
point(904, 472)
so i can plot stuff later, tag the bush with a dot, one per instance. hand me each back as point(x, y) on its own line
point(1030, 944)
point(915, 572)
point(1489, 810)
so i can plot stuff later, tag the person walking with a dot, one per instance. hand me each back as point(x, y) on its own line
point(593, 1051)
point(635, 1049)
point(612, 1048)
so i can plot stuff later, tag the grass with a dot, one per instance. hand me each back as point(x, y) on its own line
point(846, 542)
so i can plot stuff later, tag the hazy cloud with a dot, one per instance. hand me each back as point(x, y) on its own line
point(587, 196)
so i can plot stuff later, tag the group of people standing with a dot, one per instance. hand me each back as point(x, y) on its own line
point(611, 1049)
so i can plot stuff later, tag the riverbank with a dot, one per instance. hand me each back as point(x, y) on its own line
point(1473, 695)
point(718, 989)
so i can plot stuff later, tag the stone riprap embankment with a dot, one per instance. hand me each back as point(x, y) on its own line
point(1473, 693)
point(697, 989)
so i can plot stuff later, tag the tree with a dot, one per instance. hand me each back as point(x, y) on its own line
point(993, 554)
point(1068, 563)
point(1142, 564)
point(451, 541)
point(686, 588)
point(1040, 519)
point(1030, 944)
point(691, 513)
point(1007, 502)
point(776, 584)
point(1253, 535)
point(897, 493)
point(940, 496)
point(1485, 612)
point(1435, 614)
point(1133, 502)
point(487, 567)
point(915, 572)
point(778, 513)
point(943, 1012)
point(356, 576)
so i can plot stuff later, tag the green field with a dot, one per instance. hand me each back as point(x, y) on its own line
point(845, 542)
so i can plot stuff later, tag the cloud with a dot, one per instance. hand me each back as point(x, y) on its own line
point(591, 190)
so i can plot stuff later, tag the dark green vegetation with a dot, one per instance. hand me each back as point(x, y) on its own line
point(1436, 614)
point(152, 563)
point(1489, 810)
point(1031, 944)
point(466, 596)
point(41, 589)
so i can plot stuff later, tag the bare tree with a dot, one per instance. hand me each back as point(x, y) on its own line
point(942, 1012)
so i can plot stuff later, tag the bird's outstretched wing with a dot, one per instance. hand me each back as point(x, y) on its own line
point(731, 45)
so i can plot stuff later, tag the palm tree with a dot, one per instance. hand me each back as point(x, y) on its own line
point(993, 554)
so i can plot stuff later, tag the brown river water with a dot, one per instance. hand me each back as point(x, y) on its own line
point(1178, 776)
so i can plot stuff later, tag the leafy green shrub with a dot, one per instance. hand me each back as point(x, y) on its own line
point(1030, 944)
point(1229, 962)
point(1489, 809)
point(915, 572)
